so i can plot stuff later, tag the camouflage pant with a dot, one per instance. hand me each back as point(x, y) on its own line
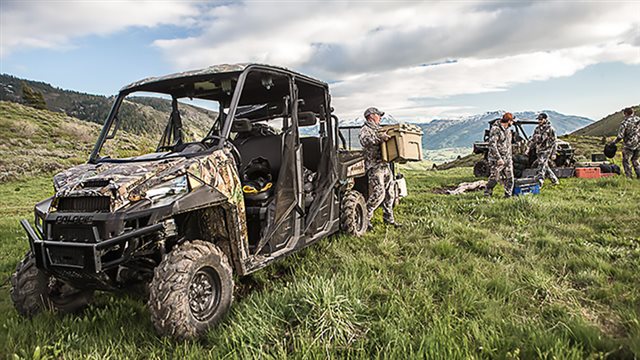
point(543, 169)
point(633, 156)
point(502, 174)
point(381, 191)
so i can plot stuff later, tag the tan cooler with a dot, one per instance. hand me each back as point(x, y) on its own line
point(405, 143)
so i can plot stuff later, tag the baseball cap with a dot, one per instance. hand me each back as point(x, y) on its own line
point(541, 116)
point(372, 110)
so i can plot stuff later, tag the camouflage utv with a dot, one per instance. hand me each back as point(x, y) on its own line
point(523, 163)
point(267, 178)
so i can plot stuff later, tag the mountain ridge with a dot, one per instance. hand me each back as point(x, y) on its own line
point(463, 132)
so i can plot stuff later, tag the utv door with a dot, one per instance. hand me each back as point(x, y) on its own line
point(285, 211)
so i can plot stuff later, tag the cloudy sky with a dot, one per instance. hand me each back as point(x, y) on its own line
point(417, 60)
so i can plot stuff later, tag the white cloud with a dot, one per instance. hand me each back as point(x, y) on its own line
point(54, 24)
point(400, 92)
point(374, 50)
point(334, 39)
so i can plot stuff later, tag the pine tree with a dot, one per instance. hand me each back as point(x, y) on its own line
point(32, 97)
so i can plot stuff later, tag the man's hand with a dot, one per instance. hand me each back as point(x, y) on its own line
point(385, 136)
point(500, 162)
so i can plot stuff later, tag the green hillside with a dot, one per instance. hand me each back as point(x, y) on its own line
point(145, 115)
point(36, 142)
point(607, 126)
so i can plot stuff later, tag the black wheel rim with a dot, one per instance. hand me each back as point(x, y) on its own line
point(204, 293)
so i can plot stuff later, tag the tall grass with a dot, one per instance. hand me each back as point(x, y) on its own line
point(554, 275)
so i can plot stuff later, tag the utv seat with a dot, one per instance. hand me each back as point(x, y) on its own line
point(268, 147)
point(311, 152)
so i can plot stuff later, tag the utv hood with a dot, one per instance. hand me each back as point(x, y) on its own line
point(119, 181)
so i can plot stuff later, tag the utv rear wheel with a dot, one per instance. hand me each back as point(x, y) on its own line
point(353, 213)
point(481, 169)
point(191, 290)
point(33, 291)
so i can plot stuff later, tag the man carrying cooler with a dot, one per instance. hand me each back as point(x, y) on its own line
point(381, 190)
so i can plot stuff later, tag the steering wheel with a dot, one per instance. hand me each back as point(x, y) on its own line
point(235, 153)
point(208, 139)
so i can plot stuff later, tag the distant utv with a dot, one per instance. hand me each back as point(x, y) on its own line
point(523, 162)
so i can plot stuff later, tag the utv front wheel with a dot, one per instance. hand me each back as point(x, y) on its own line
point(33, 291)
point(353, 213)
point(191, 290)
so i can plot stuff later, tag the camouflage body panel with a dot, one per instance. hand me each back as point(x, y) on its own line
point(544, 139)
point(127, 183)
point(219, 171)
point(629, 132)
point(211, 70)
point(370, 140)
point(215, 69)
point(116, 180)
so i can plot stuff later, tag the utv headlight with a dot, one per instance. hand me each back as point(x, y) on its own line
point(176, 186)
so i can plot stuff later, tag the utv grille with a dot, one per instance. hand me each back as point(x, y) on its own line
point(84, 204)
point(72, 233)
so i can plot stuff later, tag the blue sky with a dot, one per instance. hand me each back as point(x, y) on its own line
point(580, 58)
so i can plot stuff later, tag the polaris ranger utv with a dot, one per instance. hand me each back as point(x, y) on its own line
point(268, 178)
point(565, 154)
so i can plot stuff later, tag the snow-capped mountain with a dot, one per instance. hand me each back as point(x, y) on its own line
point(463, 132)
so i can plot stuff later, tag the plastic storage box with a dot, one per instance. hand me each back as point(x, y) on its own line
point(588, 172)
point(405, 143)
point(527, 186)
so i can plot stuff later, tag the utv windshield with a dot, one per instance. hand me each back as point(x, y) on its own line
point(166, 118)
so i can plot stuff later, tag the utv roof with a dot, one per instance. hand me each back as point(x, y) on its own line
point(216, 70)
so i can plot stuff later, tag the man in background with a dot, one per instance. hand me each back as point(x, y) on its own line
point(381, 189)
point(544, 141)
point(500, 156)
point(630, 132)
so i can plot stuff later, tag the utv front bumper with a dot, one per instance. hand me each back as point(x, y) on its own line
point(85, 257)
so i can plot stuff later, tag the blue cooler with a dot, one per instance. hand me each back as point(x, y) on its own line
point(526, 186)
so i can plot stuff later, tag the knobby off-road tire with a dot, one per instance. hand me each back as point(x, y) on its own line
point(353, 213)
point(191, 290)
point(33, 291)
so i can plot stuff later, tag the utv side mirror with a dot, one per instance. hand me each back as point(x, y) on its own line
point(241, 125)
point(307, 118)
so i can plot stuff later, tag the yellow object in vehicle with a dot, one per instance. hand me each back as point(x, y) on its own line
point(248, 189)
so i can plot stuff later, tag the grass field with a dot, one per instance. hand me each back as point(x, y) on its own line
point(550, 276)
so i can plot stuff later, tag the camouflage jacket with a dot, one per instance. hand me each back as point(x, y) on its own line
point(499, 143)
point(370, 140)
point(544, 139)
point(630, 132)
